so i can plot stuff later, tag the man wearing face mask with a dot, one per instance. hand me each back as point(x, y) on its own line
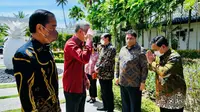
point(131, 73)
point(170, 82)
point(105, 69)
point(76, 55)
point(34, 66)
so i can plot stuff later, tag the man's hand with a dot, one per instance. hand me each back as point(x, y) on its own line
point(88, 36)
point(142, 86)
point(96, 69)
point(88, 84)
point(117, 81)
point(150, 57)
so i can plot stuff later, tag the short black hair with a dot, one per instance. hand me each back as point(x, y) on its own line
point(159, 41)
point(132, 33)
point(107, 35)
point(40, 16)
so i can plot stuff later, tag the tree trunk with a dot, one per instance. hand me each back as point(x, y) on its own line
point(189, 24)
point(149, 40)
point(64, 16)
point(197, 32)
point(169, 30)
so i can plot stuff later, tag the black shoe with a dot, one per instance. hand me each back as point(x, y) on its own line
point(89, 100)
point(101, 109)
point(93, 101)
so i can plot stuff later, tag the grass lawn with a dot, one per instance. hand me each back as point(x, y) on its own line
point(14, 110)
point(3, 86)
point(2, 66)
point(11, 96)
point(19, 110)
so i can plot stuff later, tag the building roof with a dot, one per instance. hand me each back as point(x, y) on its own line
point(183, 20)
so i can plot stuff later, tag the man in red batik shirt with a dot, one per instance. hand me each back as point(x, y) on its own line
point(75, 81)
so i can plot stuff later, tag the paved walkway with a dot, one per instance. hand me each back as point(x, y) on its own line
point(14, 103)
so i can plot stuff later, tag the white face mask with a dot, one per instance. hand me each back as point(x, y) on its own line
point(102, 42)
point(157, 53)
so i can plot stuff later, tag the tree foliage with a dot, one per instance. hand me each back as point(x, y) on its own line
point(76, 13)
point(116, 16)
point(20, 15)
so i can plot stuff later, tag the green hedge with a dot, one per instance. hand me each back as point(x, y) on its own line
point(192, 54)
point(147, 105)
point(58, 54)
point(59, 60)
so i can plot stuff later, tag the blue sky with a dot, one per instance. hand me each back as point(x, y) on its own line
point(8, 7)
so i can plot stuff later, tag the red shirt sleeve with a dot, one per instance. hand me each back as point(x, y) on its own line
point(82, 55)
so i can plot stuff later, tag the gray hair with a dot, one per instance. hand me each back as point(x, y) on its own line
point(83, 26)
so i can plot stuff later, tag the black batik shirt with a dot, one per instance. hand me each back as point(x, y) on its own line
point(36, 77)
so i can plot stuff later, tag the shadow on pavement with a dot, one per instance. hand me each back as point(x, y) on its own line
point(98, 104)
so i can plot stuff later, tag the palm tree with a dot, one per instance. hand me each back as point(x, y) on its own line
point(62, 3)
point(76, 13)
point(20, 15)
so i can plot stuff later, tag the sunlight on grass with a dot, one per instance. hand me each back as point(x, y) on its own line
point(15, 110)
point(59, 77)
point(62, 101)
point(2, 66)
point(11, 96)
point(3, 86)
point(19, 110)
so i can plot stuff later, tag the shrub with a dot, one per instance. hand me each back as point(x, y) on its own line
point(59, 60)
point(58, 54)
point(147, 104)
point(60, 42)
point(192, 54)
point(192, 78)
point(150, 85)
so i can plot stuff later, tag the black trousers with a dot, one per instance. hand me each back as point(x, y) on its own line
point(75, 102)
point(131, 99)
point(93, 86)
point(107, 94)
point(171, 110)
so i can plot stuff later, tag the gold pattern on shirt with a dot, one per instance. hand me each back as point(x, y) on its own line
point(31, 97)
point(29, 53)
point(51, 92)
point(22, 59)
point(39, 60)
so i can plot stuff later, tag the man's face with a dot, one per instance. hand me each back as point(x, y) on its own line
point(104, 40)
point(154, 47)
point(130, 40)
point(81, 34)
point(49, 30)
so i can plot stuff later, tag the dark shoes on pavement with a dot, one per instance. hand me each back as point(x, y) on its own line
point(91, 100)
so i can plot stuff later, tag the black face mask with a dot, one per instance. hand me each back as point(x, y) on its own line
point(52, 35)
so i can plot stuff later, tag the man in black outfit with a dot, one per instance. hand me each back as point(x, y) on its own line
point(105, 69)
